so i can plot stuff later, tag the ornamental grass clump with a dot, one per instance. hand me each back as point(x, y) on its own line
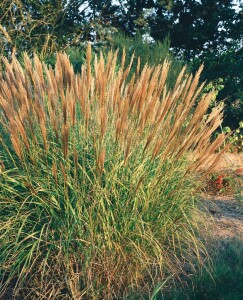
point(97, 176)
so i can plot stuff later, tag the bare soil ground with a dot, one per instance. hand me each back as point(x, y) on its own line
point(227, 217)
point(230, 161)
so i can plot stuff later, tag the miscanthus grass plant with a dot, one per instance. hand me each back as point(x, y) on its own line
point(97, 177)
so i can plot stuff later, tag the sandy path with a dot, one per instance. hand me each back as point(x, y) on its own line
point(227, 215)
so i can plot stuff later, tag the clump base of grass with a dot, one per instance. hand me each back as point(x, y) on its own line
point(98, 176)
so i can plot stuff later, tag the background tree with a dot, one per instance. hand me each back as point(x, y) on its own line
point(43, 26)
point(224, 70)
point(133, 15)
point(209, 32)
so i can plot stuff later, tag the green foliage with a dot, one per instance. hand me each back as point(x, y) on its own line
point(96, 190)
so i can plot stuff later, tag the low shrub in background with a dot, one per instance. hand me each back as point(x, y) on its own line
point(236, 139)
point(148, 53)
point(98, 174)
point(142, 51)
point(227, 182)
